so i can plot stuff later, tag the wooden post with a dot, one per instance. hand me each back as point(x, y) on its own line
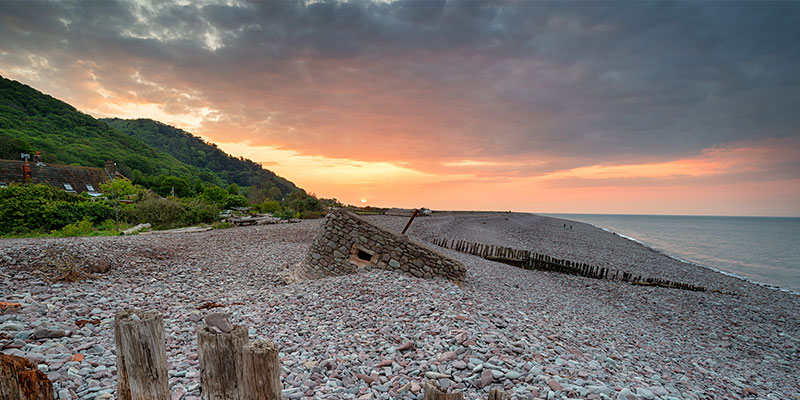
point(21, 380)
point(498, 394)
point(220, 357)
point(141, 355)
point(261, 371)
point(432, 392)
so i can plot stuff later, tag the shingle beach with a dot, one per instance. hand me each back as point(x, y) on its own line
point(381, 335)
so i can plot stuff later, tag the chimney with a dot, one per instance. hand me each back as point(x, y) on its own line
point(111, 169)
point(26, 172)
point(38, 159)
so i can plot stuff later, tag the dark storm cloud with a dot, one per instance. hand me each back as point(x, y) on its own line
point(577, 82)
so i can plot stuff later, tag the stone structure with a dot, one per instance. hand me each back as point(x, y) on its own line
point(347, 244)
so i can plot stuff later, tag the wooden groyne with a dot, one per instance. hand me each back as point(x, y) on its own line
point(531, 260)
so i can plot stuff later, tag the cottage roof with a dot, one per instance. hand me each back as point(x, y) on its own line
point(71, 178)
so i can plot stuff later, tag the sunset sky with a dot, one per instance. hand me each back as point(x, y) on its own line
point(586, 107)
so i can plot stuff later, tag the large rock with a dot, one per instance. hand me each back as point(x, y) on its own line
point(346, 244)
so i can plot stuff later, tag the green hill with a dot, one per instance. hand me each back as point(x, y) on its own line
point(194, 151)
point(31, 121)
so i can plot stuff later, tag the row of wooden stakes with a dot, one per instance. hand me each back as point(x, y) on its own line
point(531, 260)
point(231, 368)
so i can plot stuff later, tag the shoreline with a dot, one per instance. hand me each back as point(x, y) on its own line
point(690, 262)
point(678, 258)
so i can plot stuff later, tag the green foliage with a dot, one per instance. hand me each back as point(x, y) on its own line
point(161, 213)
point(107, 225)
point(172, 212)
point(218, 168)
point(286, 213)
point(175, 186)
point(222, 225)
point(61, 213)
point(81, 228)
point(30, 120)
point(142, 149)
point(233, 189)
point(196, 211)
point(11, 147)
point(300, 201)
point(328, 203)
point(222, 198)
point(214, 195)
point(311, 214)
point(42, 208)
point(235, 201)
point(269, 206)
point(118, 189)
point(115, 191)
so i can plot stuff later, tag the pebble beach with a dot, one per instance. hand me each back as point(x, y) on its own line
point(381, 335)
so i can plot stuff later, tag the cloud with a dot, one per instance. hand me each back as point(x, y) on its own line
point(540, 86)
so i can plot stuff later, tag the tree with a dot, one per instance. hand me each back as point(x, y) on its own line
point(301, 201)
point(173, 185)
point(274, 193)
point(116, 191)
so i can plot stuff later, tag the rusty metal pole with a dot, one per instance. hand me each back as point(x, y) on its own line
point(409, 222)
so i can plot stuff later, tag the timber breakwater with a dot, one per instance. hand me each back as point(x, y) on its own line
point(527, 259)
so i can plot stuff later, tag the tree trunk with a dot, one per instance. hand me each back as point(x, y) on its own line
point(261, 371)
point(21, 380)
point(141, 356)
point(220, 356)
point(498, 394)
point(432, 392)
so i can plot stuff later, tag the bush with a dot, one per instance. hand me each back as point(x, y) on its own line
point(106, 225)
point(29, 208)
point(81, 228)
point(301, 201)
point(269, 206)
point(235, 201)
point(286, 213)
point(311, 214)
point(222, 225)
point(59, 214)
point(196, 211)
point(214, 195)
point(175, 185)
point(161, 213)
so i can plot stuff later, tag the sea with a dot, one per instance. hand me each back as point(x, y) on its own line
point(763, 250)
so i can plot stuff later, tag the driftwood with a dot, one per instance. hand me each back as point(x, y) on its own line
point(220, 356)
point(21, 380)
point(191, 229)
point(135, 229)
point(261, 371)
point(141, 355)
point(433, 392)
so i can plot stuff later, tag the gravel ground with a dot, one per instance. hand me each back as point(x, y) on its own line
point(380, 335)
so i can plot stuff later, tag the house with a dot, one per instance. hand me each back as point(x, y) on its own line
point(71, 178)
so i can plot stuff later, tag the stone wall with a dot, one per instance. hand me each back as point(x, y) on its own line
point(347, 244)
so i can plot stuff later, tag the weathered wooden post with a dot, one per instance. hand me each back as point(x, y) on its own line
point(432, 392)
point(20, 379)
point(219, 351)
point(498, 394)
point(141, 355)
point(261, 371)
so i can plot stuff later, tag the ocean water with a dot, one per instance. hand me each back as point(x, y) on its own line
point(760, 249)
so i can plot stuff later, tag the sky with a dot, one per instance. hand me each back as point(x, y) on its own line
point(576, 107)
